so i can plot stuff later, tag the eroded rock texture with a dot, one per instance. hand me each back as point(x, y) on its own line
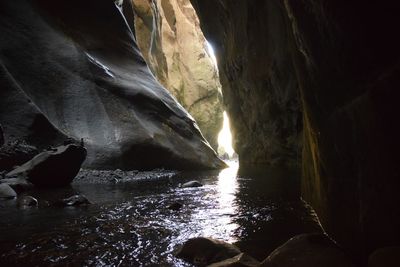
point(173, 45)
point(340, 60)
point(72, 68)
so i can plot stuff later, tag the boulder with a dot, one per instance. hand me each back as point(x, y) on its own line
point(385, 257)
point(27, 201)
point(75, 200)
point(203, 251)
point(192, 184)
point(241, 260)
point(306, 250)
point(6, 192)
point(56, 167)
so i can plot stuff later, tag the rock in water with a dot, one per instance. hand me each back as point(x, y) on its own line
point(53, 168)
point(175, 206)
point(192, 184)
point(27, 201)
point(306, 250)
point(76, 200)
point(6, 192)
point(203, 251)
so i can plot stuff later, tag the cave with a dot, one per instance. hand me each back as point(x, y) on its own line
point(310, 91)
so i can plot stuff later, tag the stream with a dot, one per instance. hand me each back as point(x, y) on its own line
point(129, 224)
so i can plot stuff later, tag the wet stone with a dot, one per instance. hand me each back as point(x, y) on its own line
point(6, 192)
point(27, 201)
point(192, 184)
point(202, 251)
point(76, 200)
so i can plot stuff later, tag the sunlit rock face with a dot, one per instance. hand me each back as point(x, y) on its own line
point(340, 60)
point(72, 68)
point(173, 45)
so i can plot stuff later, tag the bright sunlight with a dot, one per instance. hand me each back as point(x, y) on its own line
point(225, 138)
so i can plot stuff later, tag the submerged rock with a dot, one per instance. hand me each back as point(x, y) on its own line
point(203, 251)
point(306, 250)
point(241, 260)
point(175, 206)
point(192, 184)
point(27, 201)
point(76, 200)
point(6, 192)
point(53, 168)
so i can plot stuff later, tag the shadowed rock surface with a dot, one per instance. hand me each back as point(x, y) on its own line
point(173, 45)
point(332, 64)
point(306, 250)
point(57, 167)
point(73, 69)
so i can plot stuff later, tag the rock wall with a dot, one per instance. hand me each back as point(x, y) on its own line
point(259, 88)
point(173, 45)
point(72, 69)
point(340, 60)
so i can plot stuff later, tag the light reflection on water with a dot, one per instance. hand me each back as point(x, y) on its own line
point(129, 224)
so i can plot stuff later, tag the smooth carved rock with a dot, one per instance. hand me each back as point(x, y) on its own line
point(6, 192)
point(203, 251)
point(307, 250)
point(173, 45)
point(56, 167)
point(87, 78)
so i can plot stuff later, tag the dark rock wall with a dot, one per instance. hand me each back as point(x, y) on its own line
point(256, 71)
point(72, 68)
point(340, 60)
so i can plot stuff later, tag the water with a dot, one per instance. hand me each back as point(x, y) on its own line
point(129, 224)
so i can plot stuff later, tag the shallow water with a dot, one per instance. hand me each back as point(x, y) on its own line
point(129, 224)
